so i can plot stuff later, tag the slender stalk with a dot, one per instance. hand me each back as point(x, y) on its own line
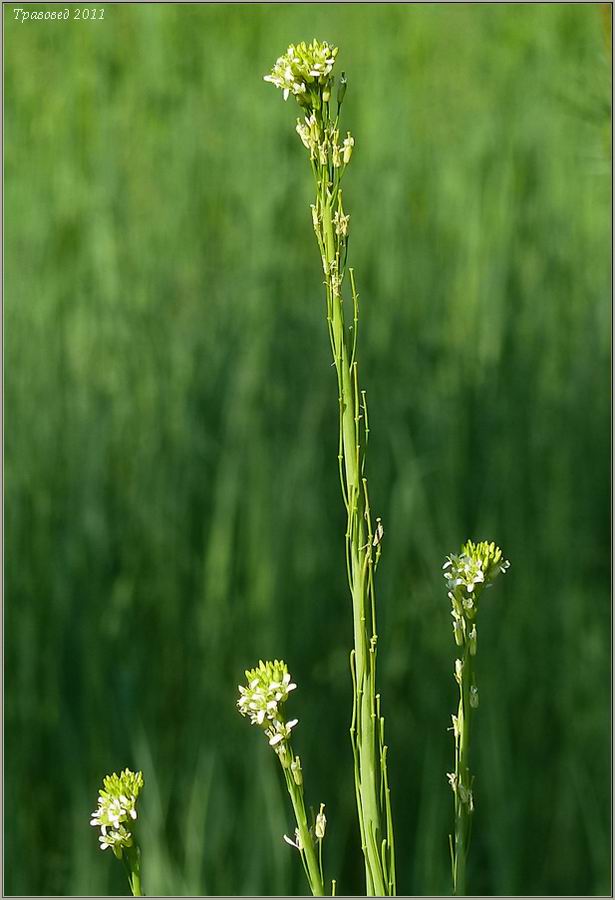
point(367, 731)
point(467, 576)
point(311, 857)
point(132, 862)
point(464, 804)
point(359, 551)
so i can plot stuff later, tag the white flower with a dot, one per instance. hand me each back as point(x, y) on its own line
point(297, 842)
point(280, 731)
point(118, 839)
point(465, 571)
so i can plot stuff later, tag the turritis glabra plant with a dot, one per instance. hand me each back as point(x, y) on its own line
point(305, 71)
point(467, 576)
point(115, 815)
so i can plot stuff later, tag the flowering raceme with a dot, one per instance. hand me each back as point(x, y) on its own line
point(304, 71)
point(116, 806)
point(268, 687)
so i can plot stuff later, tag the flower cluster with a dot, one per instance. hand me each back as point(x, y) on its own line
point(268, 687)
point(116, 806)
point(476, 568)
point(305, 71)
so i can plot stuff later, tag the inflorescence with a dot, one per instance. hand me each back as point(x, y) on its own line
point(117, 806)
point(306, 72)
point(467, 575)
point(268, 687)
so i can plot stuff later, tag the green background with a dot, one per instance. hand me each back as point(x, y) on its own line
point(172, 501)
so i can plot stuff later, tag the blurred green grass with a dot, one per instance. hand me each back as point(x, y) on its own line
point(172, 505)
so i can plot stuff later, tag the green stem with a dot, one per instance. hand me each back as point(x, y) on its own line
point(132, 863)
point(463, 795)
point(308, 850)
point(354, 487)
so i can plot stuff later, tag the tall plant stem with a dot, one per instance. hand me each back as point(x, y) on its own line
point(305, 71)
point(367, 729)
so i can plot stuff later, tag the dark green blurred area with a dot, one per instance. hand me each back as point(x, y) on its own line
point(173, 510)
